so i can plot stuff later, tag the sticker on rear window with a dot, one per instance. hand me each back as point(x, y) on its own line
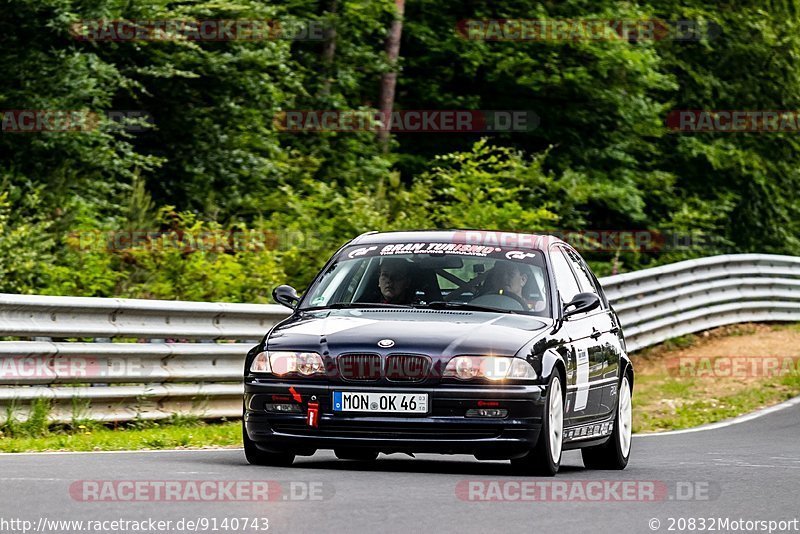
point(438, 248)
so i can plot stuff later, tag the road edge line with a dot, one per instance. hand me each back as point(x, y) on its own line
point(727, 422)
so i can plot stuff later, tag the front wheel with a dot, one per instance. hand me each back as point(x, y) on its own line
point(614, 453)
point(545, 457)
point(256, 456)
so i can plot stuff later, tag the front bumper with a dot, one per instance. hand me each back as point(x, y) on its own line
point(445, 429)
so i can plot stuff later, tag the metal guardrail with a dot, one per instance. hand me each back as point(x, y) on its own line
point(86, 317)
point(690, 296)
point(124, 380)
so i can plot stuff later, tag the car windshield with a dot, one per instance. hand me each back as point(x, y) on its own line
point(434, 275)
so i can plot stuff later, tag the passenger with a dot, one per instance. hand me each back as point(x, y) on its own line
point(394, 282)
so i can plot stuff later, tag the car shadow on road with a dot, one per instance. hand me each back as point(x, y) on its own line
point(395, 463)
point(398, 464)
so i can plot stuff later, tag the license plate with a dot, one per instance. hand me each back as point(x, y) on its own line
point(354, 401)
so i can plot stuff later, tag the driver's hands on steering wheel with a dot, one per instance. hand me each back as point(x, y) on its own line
point(498, 300)
point(514, 296)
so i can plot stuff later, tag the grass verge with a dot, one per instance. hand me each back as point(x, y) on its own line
point(91, 436)
point(720, 374)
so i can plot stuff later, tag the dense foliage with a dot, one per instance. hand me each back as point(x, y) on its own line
point(209, 200)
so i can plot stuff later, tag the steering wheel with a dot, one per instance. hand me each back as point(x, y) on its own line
point(501, 300)
point(517, 298)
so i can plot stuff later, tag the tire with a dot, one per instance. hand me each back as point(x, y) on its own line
point(544, 458)
point(256, 456)
point(360, 455)
point(614, 453)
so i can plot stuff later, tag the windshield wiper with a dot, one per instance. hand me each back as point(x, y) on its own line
point(351, 305)
point(441, 304)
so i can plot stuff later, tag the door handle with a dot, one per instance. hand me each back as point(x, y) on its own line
point(614, 330)
point(595, 334)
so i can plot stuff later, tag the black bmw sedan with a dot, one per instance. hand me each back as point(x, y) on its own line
point(500, 345)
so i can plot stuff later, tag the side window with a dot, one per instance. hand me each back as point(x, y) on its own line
point(565, 280)
point(582, 272)
point(356, 279)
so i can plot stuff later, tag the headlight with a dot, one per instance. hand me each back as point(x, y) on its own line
point(283, 362)
point(261, 363)
point(489, 367)
point(521, 370)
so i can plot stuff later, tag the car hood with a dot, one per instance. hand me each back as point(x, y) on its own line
point(437, 333)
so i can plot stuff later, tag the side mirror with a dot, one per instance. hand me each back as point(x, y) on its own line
point(286, 295)
point(583, 302)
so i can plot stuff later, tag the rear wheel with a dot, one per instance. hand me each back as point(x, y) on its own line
point(545, 457)
point(256, 456)
point(614, 453)
point(365, 455)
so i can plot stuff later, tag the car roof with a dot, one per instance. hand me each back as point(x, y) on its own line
point(467, 236)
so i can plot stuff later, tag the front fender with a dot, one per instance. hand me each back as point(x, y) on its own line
point(550, 360)
point(626, 366)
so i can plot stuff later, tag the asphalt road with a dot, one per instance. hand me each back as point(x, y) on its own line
point(748, 471)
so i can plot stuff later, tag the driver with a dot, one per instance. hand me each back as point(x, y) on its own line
point(507, 277)
point(511, 278)
point(394, 281)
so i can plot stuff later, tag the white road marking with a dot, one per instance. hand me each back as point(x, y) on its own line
point(220, 449)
